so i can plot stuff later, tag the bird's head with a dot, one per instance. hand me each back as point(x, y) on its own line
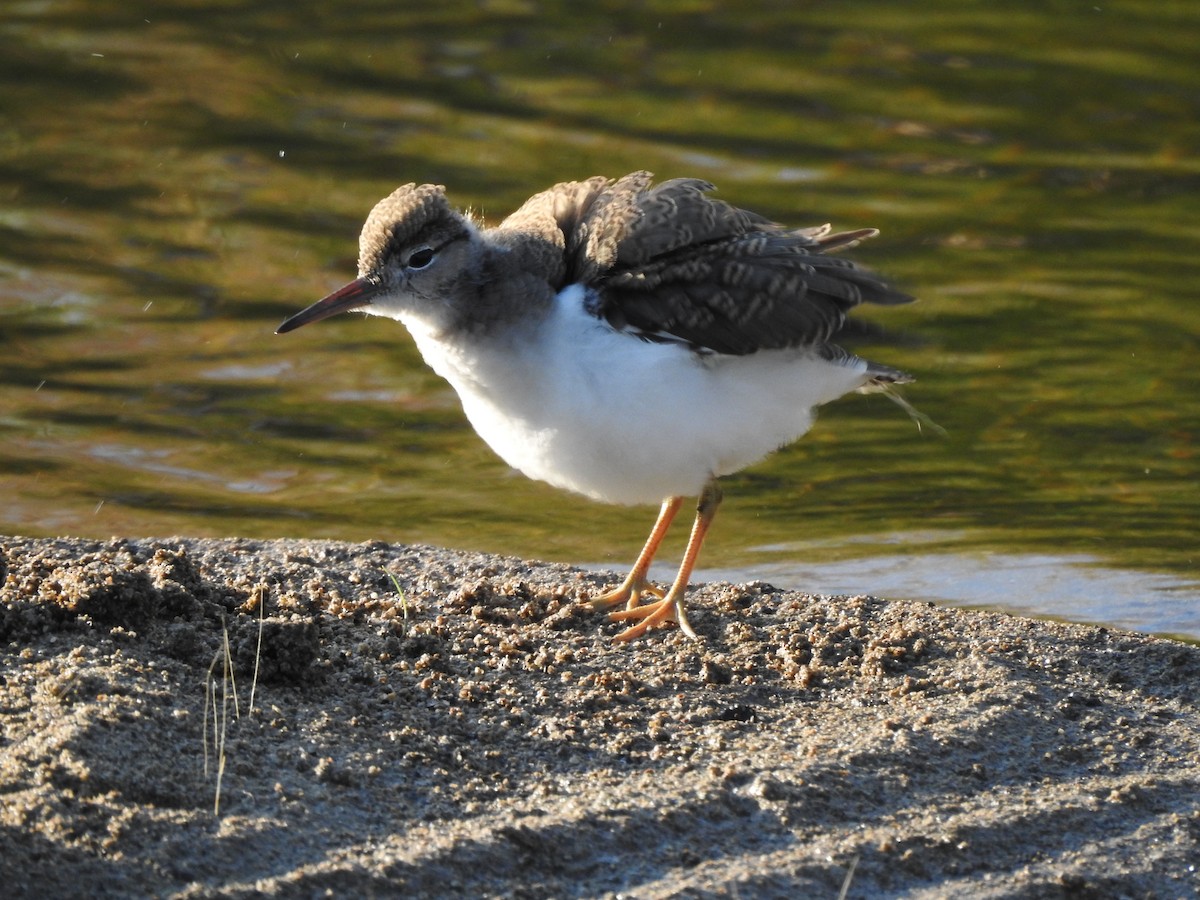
point(415, 262)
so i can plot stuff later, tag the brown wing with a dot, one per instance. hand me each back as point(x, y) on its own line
point(669, 262)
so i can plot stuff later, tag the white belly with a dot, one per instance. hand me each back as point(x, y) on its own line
point(580, 406)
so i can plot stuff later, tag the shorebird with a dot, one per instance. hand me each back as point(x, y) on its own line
point(627, 341)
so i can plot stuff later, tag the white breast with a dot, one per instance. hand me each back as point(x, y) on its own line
point(574, 403)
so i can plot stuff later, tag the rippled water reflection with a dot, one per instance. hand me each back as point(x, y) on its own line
point(179, 176)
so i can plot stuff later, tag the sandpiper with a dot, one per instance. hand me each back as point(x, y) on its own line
point(627, 341)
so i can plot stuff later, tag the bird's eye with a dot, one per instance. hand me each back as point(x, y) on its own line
point(420, 258)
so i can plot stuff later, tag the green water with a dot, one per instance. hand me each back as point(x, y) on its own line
point(177, 177)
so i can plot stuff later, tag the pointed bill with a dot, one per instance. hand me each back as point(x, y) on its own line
point(355, 295)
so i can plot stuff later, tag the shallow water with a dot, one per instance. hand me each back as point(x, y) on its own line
point(179, 177)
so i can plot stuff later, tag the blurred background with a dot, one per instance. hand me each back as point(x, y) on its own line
point(179, 176)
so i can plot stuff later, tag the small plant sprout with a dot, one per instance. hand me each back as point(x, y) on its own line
point(228, 691)
point(403, 603)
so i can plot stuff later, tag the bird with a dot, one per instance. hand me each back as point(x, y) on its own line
point(624, 340)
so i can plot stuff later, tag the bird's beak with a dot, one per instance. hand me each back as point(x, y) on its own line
point(355, 295)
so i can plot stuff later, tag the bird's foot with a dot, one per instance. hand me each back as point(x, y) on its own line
point(664, 608)
point(630, 593)
point(646, 616)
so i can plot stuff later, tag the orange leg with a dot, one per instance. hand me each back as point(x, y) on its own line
point(670, 608)
point(632, 588)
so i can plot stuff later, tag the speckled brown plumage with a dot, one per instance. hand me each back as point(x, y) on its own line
point(666, 262)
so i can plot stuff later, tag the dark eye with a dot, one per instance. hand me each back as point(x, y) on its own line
point(420, 258)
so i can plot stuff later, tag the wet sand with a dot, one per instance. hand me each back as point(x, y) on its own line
point(483, 736)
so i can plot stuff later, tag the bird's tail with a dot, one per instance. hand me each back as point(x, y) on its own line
point(883, 380)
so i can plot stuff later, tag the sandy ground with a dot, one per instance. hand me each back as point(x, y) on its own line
point(484, 737)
